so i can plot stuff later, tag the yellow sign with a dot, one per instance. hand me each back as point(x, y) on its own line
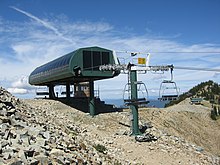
point(141, 61)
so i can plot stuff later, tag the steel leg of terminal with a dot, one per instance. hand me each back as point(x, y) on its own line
point(91, 99)
point(51, 91)
point(68, 90)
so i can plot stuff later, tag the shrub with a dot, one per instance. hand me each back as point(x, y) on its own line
point(100, 148)
point(213, 116)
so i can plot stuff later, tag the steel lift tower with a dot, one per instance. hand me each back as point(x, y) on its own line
point(132, 70)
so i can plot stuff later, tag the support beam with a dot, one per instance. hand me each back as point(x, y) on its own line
point(67, 90)
point(91, 98)
point(51, 92)
point(134, 107)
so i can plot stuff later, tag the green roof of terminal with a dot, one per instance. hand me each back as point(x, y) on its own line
point(78, 66)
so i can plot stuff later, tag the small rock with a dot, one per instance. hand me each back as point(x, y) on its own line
point(47, 147)
point(6, 136)
point(16, 162)
point(40, 141)
point(79, 161)
point(25, 141)
point(199, 149)
point(19, 124)
point(83, 146)
point(2, 106)
point(21, 133)
point(4, 143)
point(6, 155)
point(60, 160)
point(42, 159)
point(3, 112)
point(13, 134)
point(33, 161)
point(0, 148)
point(22, 155)
point(56, 152)
point(151, 148)
point(46, 135)
point(72, 147)
point(122, 132)
point(29, 152)
point(33, 131)
point(11, 112)
point(5, 119)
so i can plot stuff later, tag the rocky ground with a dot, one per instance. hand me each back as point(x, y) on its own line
point(49, 132)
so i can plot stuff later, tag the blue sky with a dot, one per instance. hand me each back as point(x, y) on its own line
point(35, 31)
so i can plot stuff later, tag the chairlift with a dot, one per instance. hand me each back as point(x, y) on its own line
point(42, 92)
point(168, 89)
point(142, 94)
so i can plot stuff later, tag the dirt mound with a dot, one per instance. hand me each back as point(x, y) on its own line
point(112, 131)
point(191, 122)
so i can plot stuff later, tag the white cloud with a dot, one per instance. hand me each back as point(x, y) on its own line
point(20, 86)
point(21, 83)
point(216, 75)
point(23, 51)
point(44, 23)
point(17, 90)
point(87, 27)
point(32, 45)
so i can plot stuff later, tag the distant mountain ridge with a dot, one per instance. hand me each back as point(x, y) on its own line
point(208, 90)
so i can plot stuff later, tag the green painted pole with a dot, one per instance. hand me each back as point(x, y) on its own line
point(91, 98)
point(134, 107)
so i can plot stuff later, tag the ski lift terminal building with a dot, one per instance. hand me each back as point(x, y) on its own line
point(81, 65)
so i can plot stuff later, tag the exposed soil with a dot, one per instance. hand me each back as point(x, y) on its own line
point(186, 133)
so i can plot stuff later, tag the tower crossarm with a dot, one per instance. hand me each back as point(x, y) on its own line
point(124, 67)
